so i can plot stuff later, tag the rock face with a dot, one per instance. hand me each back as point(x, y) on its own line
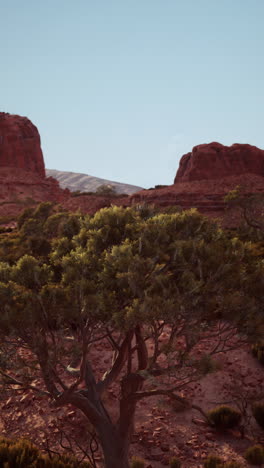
point(216, 161)
point(20, 144)
point(23, 181)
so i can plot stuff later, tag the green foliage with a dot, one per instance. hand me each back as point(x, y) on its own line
point(106, 190)
point(224, 417)
point(258, 351)
point(21, 453)
point(249, 208)
point(258, 413)
point(38, 246)
point(25, 215)
point(234, 195)
point(213, 461)
point(255, 455)
point(137, 462)
point(121, 274)
point(175, 462)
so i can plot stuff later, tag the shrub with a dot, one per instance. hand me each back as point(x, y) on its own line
point(258, 413)
point(207, 365)
point(175, 462)
point(224, 417)
point(255, 455)
point(137, 462)
point(213, 461)
point(258, 351)
point(106, 189)
point(22, 453)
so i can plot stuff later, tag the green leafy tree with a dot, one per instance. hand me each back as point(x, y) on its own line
point(250, 207)
point(123, 282)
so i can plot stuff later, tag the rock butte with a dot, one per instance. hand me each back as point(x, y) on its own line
point(20, 144)
point(206, 175)
point(23, 180)
point(216, 161)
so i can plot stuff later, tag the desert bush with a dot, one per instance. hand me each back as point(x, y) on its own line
point(258, 413)
point(213, 461)
point(258, 351)
point(18, 452)
point(106, 189)
point(21, 453)
point(137, 462)
point(175, 462)
point(224, 417)
point(207, 365)
point(255, 455)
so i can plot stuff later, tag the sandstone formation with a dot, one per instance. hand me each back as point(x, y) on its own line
point(23, 181)
point(20, 144)
point(216, 161)
point(206, 175)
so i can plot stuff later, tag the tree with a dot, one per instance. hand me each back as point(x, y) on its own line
point(106, 189)
point(125, 281)
point(250, 206)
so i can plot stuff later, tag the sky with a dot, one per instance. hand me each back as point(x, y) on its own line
point(121, 89)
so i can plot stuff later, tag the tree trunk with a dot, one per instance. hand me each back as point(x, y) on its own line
point(114, 448)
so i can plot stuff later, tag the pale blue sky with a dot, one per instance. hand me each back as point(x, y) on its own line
point(120, 89)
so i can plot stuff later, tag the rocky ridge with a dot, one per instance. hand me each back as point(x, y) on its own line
point(86, 183)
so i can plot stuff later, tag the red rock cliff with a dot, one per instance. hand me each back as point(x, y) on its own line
point(216, 161)
point(206, 175)
point(20, 144)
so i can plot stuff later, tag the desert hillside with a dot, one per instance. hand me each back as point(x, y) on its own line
point(86, 183)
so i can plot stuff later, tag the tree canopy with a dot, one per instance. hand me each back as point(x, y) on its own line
point(149, 287)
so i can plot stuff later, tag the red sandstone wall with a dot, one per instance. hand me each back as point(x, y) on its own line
point(20, 144)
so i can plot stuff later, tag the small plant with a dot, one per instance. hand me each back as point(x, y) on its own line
point(213, 461)
point(137, 462)
point(258, 351)
point(258, 413)
point(207, 365)
point(255, 455)
point(22, 453)
point(175, 462)
point(224, 417)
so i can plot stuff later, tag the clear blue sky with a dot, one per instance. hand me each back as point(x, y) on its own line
point(120, 89)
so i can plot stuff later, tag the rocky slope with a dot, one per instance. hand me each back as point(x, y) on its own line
point(86, 183)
